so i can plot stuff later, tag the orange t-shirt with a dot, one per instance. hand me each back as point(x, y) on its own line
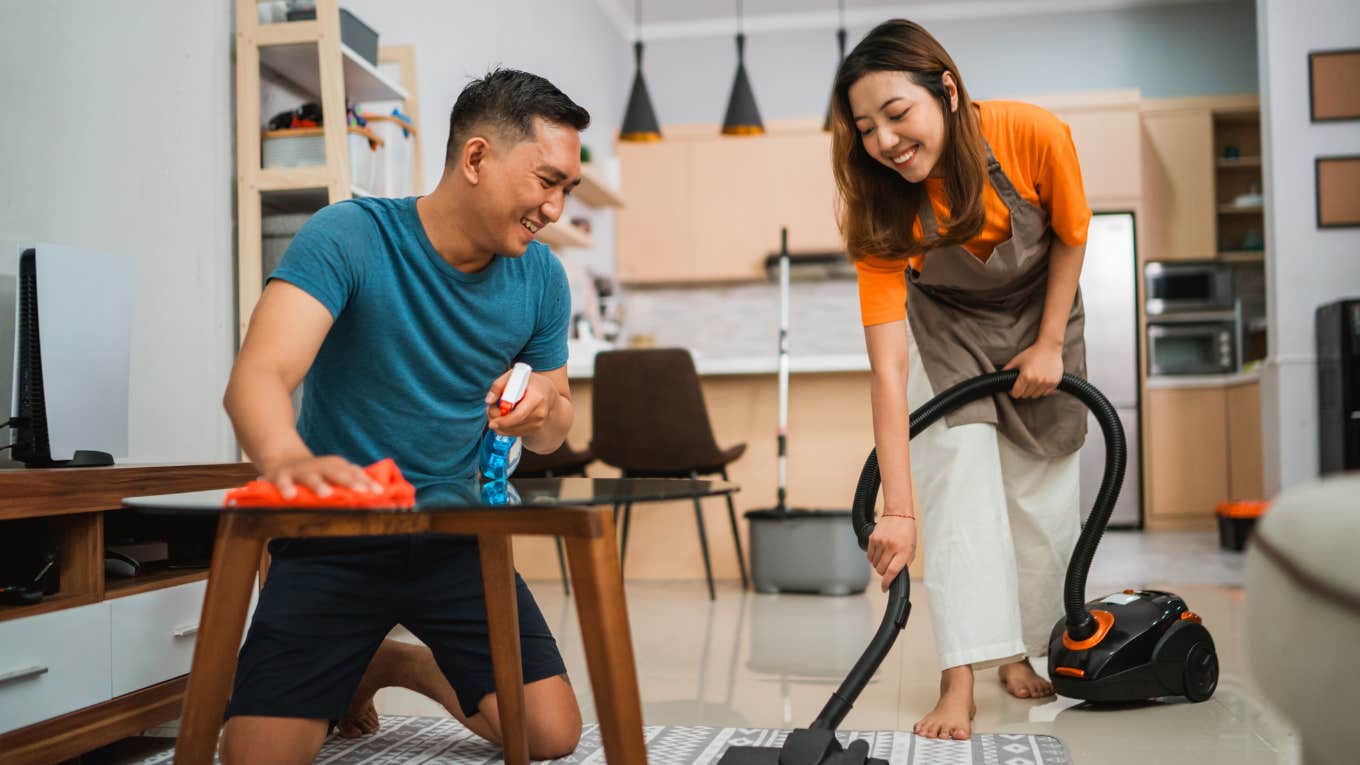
point(1036, 152)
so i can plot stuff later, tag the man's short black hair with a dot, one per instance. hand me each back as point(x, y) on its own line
point(509, 100)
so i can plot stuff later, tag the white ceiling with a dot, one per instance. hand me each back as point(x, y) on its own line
point(663, 19)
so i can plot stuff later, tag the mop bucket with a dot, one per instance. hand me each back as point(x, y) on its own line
point(806, 551)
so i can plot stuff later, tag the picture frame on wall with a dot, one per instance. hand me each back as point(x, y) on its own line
point(1334, 85)
point(1338, 191)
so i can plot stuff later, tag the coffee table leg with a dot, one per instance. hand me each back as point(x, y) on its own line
point(608, 644)
point(502, 616)
point(235, 561)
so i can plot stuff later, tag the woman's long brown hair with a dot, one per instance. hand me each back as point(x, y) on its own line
point(876, 207)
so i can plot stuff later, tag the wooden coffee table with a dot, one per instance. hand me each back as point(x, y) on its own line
point(580, 510)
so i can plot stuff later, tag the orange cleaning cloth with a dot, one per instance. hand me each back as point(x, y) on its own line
point(396, 492)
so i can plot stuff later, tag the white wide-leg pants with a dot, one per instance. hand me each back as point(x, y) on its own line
point(998, 527)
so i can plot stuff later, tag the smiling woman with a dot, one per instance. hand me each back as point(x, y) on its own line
point(967, 224)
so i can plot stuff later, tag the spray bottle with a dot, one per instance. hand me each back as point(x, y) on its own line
point(499, 455)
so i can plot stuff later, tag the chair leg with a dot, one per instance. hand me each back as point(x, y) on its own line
point(703, 546)
point(736, 534)
point(623, 541)
point(562, 564)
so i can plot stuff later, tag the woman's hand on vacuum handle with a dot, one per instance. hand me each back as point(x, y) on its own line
point(1041, 369)
point(893, 543)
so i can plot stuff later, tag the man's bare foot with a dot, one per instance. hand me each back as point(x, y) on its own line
point(361, 719)
point(1023, 682)
point(952, 717)
point(395, 663)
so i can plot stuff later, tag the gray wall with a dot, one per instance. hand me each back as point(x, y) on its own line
point(1305, 266)
point(1166, 51)
point(118, 136)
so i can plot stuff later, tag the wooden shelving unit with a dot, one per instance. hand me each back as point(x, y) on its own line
point(1239, 228)
point(309, 56)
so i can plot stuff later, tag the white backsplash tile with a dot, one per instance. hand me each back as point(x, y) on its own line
point(737, 321)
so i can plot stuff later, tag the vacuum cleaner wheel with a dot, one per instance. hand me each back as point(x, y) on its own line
point(1201, 672)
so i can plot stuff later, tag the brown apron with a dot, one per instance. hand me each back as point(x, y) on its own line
point(970, 317)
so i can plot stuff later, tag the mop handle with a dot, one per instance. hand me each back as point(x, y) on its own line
point(783, 361)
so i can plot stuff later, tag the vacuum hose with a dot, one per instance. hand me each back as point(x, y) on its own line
point(1080, 623)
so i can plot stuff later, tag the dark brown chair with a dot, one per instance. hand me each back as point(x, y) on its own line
point(563, 462)
point(649, 420)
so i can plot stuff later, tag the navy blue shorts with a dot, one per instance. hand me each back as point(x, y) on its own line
point(327, 604)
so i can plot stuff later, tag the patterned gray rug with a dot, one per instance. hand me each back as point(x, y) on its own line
point(442, 741)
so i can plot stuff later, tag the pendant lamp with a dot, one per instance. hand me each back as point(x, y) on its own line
point(639, 120)
point(840, 45)
point(743, 117)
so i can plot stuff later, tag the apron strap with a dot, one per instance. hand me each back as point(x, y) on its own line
point(995, 175)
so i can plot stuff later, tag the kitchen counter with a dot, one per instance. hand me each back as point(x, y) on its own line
point(582, 367)
point(1165, 382)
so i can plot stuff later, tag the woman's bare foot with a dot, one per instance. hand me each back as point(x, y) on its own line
point(1023, 682)
point(395, 663)
point(952, 717)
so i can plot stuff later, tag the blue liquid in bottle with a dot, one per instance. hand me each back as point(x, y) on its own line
point(498, 456)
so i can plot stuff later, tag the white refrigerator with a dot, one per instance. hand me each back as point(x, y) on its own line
point(1109, 279)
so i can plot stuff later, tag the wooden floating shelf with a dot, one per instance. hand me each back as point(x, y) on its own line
point(1239, 162)
point(1240, 209)
point(559, 235)
point(594, 191)
point(1243, 256)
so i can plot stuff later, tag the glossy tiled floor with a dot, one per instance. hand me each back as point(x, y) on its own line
point(771, 661)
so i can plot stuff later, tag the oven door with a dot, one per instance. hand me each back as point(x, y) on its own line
point(1191, 349)
point(1175, 287)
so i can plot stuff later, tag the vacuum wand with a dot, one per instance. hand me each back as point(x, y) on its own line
point(1080, 623)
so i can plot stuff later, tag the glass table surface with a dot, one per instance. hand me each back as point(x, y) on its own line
point(471, 494)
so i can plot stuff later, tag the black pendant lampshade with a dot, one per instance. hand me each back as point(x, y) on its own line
point(743, 117)
point(840, 42)
point(639, 121)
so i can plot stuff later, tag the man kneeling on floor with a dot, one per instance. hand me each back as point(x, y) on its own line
point(405, 316)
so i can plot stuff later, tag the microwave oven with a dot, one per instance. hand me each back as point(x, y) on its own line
point(1192, 348)
point(1188, 286)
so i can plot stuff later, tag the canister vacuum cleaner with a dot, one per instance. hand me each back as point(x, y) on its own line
point(1133, 645)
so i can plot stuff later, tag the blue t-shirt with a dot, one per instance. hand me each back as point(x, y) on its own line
point(416, 343)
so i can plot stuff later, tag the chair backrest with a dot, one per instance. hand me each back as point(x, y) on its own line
point(648, 413)
point(563, 462)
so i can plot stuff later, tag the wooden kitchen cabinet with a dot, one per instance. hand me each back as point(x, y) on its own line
point(1108, 150)
point(734, 216)
point(1186, 454)
point(805, 191)
point(708, 207)
point(1178, 184)
point(1244, 441)
point(654, 231)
